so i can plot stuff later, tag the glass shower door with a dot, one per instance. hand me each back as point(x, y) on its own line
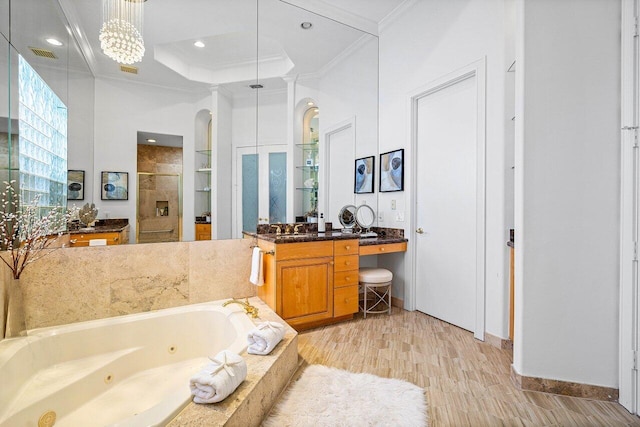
point(159, 211)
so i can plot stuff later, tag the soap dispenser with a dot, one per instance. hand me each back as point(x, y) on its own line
point(321, 228)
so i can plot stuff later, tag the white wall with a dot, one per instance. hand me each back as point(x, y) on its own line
point(121, 110)
point(567, 187)
point(350, 90)
point(430, 40)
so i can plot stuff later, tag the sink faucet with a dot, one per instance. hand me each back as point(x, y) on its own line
point(295, 228)
point(278, 229)
point(248, 308)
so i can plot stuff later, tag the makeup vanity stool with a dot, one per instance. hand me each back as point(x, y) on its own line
point(376, 281)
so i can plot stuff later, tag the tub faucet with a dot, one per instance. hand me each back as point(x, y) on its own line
point(248, 308)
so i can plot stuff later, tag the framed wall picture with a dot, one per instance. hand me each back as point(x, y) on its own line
point(114, 186)
point(392, 171)
point(75, 185)
point(364, 175)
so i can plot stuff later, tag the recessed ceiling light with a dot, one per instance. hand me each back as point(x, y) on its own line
point(151, 140)
point(198, 44)
point(306, 25)
point(54, 42)
point(310, 103)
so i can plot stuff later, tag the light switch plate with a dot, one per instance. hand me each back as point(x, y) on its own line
point(400, 216)
point(380, 216)
point(393, 205)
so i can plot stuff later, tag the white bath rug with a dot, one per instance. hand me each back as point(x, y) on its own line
point(325, 396)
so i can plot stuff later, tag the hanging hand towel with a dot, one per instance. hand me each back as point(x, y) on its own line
point(264, 338)
point(256, 267)
point(98, 242)
point(218, 379)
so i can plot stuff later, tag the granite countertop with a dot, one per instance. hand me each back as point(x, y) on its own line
point(329, 235)
point(104, 226)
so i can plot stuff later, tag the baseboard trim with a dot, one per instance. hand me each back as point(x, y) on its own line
point(564, 388)
point(397, 302)
point(494, 341)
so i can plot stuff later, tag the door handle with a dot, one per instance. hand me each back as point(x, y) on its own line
point(420, 230)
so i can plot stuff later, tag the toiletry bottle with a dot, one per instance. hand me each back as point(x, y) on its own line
point(321, 224)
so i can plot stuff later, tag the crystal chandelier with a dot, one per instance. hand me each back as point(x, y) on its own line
point(121, 32)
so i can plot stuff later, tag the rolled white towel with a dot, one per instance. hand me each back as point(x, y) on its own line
point(218, 379)
point(264, 338)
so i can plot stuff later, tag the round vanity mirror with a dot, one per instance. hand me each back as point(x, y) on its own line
point(347, 217)
point(365, 216)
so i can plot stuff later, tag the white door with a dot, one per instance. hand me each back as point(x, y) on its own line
point(339, 167)
point(446, 203)
point(261, 184)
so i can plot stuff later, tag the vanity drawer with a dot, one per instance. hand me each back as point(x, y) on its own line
point(346, 262)
point(383, 248)
point(345, 247)
point(76, 240)
point(345, 301)
point(345, 278)
point(301, 250)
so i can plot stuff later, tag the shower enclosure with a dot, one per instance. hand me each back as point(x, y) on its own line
point(159, 215)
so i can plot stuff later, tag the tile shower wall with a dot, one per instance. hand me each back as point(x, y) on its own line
point(158, 191)
point(79, 284)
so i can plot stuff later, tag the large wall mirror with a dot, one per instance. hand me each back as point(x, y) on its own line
point(270, 109)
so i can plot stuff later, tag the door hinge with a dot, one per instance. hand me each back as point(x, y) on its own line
point(635, 360)
point(635, 251)
point(635, 134)
point(635, 26)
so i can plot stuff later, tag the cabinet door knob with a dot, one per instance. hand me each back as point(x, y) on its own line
point(347, 247)
point(381, 249)
point(346, 278)
point(347, 262)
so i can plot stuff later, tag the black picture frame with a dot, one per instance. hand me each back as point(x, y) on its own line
point(364, 175)
point(75, 184)
point(392, 171)
point(114, 185)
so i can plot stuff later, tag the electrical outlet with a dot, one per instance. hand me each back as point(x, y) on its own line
point(393, 205)
point(107, 215)
point(400, 216)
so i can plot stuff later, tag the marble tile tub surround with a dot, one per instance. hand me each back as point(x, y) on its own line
point(72, 285)
point(267, 376)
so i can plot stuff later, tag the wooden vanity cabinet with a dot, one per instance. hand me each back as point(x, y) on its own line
point(203, 231)
point(311, 283)
point(112, 238)
point(345, 279)
point(299, 281)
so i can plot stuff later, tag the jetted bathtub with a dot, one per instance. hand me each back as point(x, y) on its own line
point(130, 370)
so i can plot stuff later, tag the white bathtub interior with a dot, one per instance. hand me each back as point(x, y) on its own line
point(131, 370)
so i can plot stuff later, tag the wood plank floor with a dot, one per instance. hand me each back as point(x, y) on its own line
point(466, 382)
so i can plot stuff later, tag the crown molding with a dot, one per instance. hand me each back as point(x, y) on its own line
point(395, 14)
point(70, 14)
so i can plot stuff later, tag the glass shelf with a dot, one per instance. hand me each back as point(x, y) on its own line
point(204, 170)
point(308, 168)
point(203, 191)
point(205, 152)
point(306, 189)
point(310, 146)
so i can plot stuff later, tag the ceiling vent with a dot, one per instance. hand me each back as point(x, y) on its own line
point(129, 69)
point(43, 52)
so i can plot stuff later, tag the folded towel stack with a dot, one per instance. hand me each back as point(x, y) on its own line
point(265, 337)
point(218, 379)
